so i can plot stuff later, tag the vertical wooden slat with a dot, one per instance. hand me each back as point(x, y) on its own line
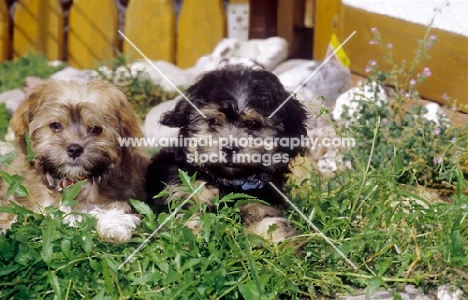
point(92, 36)
point(38, 28)
point(202, 23)
point(286, 21)
point(263, 19)
point(4, 31)
point(327, 16)
point(150, 25)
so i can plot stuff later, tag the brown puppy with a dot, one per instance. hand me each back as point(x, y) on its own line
point(75, 129)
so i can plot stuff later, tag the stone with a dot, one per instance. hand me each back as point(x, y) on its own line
point(152, 127)
point(55, 63)
point(350, 99)
point(292, 64)
point(265, 54)
point(329, 81)
point(69, 73)
point(410, 293)
point(271, 52)
point(168, 73)
point(435, 114)
point(12, 99)
point(450, 292)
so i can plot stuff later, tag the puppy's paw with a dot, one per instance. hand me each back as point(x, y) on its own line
point(255, 212)
point(283, 230)
point(208, 193)
point(259, 217)
point(114, 226)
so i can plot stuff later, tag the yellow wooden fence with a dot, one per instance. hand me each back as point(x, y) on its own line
point(38, 27)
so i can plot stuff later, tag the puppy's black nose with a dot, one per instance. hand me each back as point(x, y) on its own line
point(74, 150)
point(230, 150)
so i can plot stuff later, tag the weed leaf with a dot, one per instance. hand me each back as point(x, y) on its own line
point(69, 193)
point(29, 150)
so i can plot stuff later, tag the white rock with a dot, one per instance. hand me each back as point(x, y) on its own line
point(329, 81)
point(292, 64)
point(152, 127)
point(55, 63)
point(450, 292)
point(226, 48)
point(266, 53)
point(297, 75)
point(69, 73)
point(435, 113)
point(272, 51)
point(239, 61)
point(12, 99)
point(175, 75)
point(368, 92)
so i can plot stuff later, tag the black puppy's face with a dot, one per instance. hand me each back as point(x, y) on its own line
point(228, 132)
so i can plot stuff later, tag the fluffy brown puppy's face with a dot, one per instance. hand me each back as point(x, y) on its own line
point(74, 127)
point(237, 139)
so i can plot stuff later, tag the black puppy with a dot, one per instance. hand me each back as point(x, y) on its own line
point(235, 142)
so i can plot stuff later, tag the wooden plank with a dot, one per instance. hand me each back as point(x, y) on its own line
point(263, 19)
point(449, 55)
point(92, 36)
point(4, 32)
point(38, 28)
point(202, 24)
point(286, 21)
point(150, 25)
point(327, 20)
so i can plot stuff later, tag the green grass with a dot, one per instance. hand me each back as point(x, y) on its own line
point(5, 117)
point(394, 241)
point(16, 71)
point(376, 214)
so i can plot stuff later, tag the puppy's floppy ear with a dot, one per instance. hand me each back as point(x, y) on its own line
point(25, 113)
point(178, 117)
point(294, 116)
point(129, 121)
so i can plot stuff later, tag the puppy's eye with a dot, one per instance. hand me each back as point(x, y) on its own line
point(254, 124)
point(95, 130)
point(213, 121)
point(56, 126)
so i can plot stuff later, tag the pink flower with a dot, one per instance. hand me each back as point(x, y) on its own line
point(373, 62)
point(412, 82)
point(427, 72)
point(368, 69)
point(374, 30)
point(432, 38)
point(453, 140)
point(436, 131)
point(437, 160)
point(372, 42)
point(445, 96)
point(390, 46)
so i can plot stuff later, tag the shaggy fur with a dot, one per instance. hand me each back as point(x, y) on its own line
point(236, 103)
point(74, 130)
